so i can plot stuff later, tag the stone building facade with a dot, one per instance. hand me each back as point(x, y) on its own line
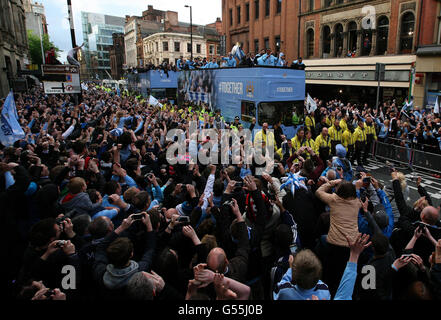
point(13, 42)
point(153, 21)
point(168, 46)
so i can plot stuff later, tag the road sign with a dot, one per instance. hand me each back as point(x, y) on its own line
point(60, 87)
point(59, 69)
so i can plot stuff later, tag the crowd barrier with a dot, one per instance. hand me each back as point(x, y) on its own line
point(408, 156)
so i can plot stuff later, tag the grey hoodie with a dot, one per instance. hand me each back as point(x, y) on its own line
point(81, 203)
point(115, 278)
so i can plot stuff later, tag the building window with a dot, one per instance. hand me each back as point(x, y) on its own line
point(311, 5)
point(211, 49)
point(198, 48)
point(166, 60)
point(407, 32)
point(238, 15)
point(165, 46)
point(267, 7)
point(247, 12)
point(277, 43)
point(218, 50)
point(266, 43)
point(326, 41)
point(328, 3)
point(382, 35)
point(310, 43)
point(366, 45)
point(256, 46)
point(338, 1)
point(279, 6)
point(248, 111)
point(177, 46)
point(157, 46)
point(338, 46)
point(188, 47)
point(231, 17)
point(352, 36)
point(256, 8)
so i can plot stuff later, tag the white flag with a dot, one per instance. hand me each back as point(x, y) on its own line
point(154, 102)
point(436, 109)
point(311, 105)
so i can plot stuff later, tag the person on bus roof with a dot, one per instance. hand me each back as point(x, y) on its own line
point(298, 64)
point(282, 60)
point(231, 61)
point(268, 59)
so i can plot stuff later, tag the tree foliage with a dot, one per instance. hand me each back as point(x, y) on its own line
point(35, 47)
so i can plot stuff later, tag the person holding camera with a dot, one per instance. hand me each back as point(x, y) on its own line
point(421, 216)
point(47, 254)
point(113, 266)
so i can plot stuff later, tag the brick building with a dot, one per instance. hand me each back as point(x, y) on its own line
point(258, 24)
point(324, 31)
point(117, 56)
point(427, 86)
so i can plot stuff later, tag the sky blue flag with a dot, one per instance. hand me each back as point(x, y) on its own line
point(10, 130)
point(118, 92)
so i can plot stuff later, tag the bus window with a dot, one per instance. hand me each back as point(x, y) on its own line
point(271, 112)
point(248, 111)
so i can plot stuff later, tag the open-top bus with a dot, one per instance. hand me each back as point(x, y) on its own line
point(269, 94)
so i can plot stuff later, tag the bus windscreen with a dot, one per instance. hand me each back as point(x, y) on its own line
point(272, 112)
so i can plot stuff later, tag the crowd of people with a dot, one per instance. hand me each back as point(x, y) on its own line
point(357, 126)
point(266, 57)
point(90, 187)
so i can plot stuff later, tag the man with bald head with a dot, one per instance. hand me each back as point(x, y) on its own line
point(237, 267)
point(426, 233)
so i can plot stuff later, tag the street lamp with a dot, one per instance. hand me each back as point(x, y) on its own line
point(191, 30)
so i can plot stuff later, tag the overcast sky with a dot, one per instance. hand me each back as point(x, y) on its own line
point(204, 12)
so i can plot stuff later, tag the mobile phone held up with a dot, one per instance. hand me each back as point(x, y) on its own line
point(137, 216)
point(183, 220)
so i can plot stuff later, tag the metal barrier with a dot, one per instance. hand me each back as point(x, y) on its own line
point(408, 156)
point(392, 152)
point(426, 160)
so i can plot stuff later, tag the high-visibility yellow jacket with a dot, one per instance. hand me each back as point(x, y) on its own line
point(321, 142)
point(280, 152)
point(296, 143)
point(347, 139)
point(329, 121)
point(343, 125)
point(360, 135)
point(310, 122)
point(371, 130)
point(308, 143)
point(335, 133)
point(268, 138)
